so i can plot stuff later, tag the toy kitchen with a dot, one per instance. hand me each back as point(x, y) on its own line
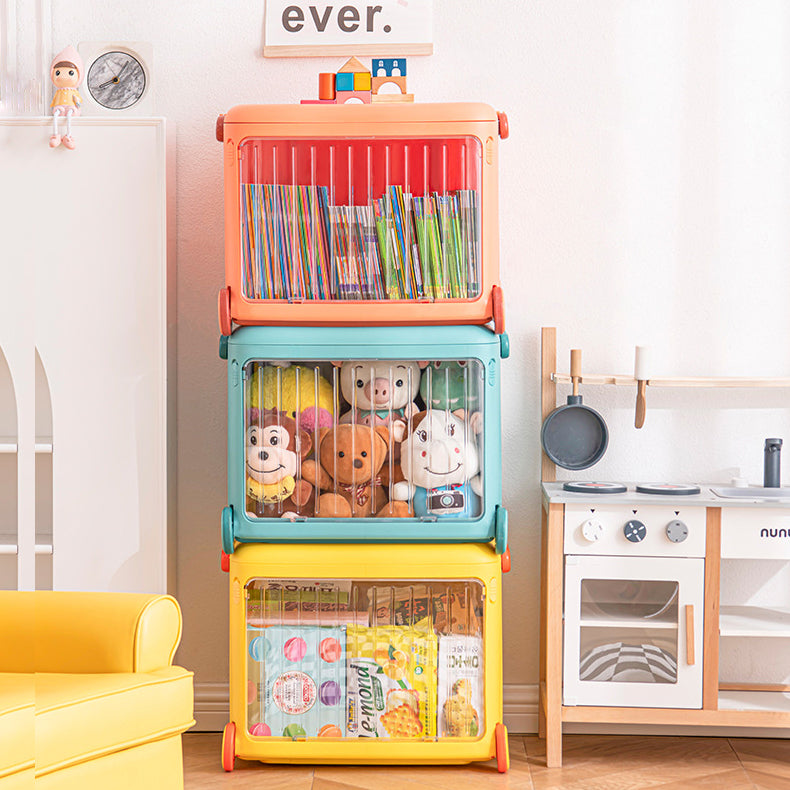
point(662, 603)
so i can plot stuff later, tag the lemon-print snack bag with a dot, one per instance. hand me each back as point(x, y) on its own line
point(391, 681)
point(460, 686)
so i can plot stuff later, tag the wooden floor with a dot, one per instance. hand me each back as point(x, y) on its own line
point(591, 762)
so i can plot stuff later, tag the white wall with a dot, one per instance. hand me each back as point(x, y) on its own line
point(645, 194)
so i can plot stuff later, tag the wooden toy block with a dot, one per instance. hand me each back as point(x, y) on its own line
point(377, 82)
point(380, 98)
point(352, 66)
point(318, 101)
point(344, 82)
point(326, 85)
point(342, 97)
point(362, 81)
point(388, 67)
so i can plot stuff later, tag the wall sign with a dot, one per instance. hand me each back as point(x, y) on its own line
point(308, 28)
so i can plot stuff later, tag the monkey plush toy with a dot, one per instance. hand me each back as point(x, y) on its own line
point(274, 452)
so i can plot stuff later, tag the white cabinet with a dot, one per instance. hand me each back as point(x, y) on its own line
point(83, 396)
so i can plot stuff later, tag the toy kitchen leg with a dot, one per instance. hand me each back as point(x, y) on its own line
point(550, 703)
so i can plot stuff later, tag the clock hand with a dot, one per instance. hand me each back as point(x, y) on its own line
point(115, 80)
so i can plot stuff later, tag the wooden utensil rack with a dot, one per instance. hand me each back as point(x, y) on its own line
point(550, 377)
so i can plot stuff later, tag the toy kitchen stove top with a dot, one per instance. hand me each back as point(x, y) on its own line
point(655, 489)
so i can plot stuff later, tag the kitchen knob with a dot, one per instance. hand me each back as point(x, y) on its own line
point(592, 530)
point(677, 531)
point(635, 531)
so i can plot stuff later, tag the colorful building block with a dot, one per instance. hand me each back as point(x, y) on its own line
point(362, 81)
point(344, 96)
point(388, 67)
point(344, 81)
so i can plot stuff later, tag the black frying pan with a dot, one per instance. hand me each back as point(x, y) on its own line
point(574, 436)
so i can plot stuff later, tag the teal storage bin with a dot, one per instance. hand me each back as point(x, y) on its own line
point(364, 434)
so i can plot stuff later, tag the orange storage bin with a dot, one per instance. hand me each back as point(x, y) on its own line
point(361, 214)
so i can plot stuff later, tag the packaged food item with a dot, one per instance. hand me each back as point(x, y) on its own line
point(391, 681)
point(460, 699)
point(299, 679)
point(301, 601)
point(453, 609)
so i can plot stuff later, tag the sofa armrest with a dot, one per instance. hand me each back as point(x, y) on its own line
point(74, 632)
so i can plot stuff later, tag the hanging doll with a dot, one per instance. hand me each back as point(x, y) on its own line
point(66, 74)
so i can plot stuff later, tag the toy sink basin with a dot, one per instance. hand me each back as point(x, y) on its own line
point(752, 492)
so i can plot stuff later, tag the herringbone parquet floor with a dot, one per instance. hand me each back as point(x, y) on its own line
point(591, 762)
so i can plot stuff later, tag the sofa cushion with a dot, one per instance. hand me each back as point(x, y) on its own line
point(79, 717)
point(17, 734)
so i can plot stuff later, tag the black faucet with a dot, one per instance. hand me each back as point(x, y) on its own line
point(772, 475)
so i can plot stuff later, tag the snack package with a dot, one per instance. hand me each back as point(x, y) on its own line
point(453, 611)
point(297, 681)
point(460, 686)
point(295, 601)
point(391, 681)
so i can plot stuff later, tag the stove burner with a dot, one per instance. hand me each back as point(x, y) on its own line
point(595, 488)
point(668, 489)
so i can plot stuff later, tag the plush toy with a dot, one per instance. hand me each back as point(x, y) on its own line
point(350, 458)
point(440, 465)
point(450, 385)
point(380, 393)
point(274, 447)
point(277, 385)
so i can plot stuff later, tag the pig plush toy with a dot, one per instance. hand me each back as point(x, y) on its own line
point(441, 465)
point(380, 393)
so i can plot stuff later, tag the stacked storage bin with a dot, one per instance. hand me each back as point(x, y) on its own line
point(364, 535)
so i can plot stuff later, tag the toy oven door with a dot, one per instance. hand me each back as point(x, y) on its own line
point(633, 632)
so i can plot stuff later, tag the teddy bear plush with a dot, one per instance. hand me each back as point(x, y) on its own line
point(441, 466)
point(274, 448)
point(348, 461)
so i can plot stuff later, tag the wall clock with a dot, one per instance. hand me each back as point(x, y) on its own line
point(117, 78)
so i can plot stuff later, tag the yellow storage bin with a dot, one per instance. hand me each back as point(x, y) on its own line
point(362, 653)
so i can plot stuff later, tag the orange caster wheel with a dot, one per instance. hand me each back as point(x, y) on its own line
point(229, 746)
point(502, 754)
point(505, 560)
point(223, 308)
point(504, 126)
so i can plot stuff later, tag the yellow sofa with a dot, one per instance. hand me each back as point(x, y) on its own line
point(89, 697)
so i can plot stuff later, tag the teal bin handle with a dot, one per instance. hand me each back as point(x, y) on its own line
point(500, 530)
point(227, 530)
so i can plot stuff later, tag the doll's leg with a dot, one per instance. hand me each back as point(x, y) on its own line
point(68, 140)
point(54, 140)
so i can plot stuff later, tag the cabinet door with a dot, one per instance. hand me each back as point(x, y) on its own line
point(633, 632)
point(90, 225)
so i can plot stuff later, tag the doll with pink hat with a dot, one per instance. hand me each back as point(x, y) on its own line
point(66, 73)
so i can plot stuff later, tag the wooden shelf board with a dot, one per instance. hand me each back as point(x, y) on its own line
point(753, 701)
point(768, 711)
point(675, 381)
point(8, 544)
point(754, 621)
point(592, 617)
point(8, 445)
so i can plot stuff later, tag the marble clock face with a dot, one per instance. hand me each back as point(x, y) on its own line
point(116, 80)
